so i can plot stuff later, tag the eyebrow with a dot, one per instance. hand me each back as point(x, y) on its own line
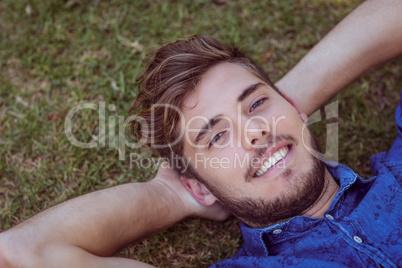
point(210, 124)
point(216, 119)
point(248, 91)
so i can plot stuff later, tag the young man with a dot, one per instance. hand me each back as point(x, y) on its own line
point(295, 210)
point(242, 142)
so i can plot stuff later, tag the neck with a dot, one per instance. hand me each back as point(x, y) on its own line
point(331, 188)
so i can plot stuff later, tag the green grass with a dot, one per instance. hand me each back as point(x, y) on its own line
point(56, 54)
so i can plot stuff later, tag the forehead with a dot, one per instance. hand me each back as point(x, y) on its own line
point(218, 89)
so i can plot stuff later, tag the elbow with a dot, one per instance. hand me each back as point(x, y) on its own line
point(6, 256)
point(9, 251)
point(15, 253)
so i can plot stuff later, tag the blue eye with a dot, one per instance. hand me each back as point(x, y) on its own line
point(215, 139)
point(257, 103)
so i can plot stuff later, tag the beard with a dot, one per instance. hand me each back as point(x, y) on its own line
point(302, 195)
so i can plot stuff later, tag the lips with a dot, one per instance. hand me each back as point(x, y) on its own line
point(271, 161)
point(265, 162)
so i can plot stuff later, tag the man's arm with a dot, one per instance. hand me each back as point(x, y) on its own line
point(83, 231)
point(370, 35)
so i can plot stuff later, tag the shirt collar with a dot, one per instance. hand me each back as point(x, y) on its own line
point(254, 237)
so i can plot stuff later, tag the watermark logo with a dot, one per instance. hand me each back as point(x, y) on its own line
point(112, 131)
point(330, 115)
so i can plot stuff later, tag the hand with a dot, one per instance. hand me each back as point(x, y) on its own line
point(170, 180)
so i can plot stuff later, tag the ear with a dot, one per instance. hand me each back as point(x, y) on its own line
point(199, 191)
point(303, 116)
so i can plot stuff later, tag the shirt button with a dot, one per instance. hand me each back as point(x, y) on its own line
point(277, 231)
point(357, 239)
point(329, 217)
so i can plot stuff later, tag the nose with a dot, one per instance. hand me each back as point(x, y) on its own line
point(255, 133)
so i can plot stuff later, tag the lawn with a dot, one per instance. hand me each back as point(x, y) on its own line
point(55, 55)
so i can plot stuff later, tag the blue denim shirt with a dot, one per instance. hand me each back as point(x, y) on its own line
point(361, 228)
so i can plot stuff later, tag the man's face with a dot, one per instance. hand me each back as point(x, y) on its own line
point(246, 142)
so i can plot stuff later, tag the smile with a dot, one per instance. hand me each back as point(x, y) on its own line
point(271, 161)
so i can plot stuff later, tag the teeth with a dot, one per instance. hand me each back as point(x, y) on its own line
point(272, 160)
point(278, 156)
point(283, 152)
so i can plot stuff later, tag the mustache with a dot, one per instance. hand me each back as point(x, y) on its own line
point(259, 152)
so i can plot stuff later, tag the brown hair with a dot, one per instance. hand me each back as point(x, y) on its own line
point(170, 76)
